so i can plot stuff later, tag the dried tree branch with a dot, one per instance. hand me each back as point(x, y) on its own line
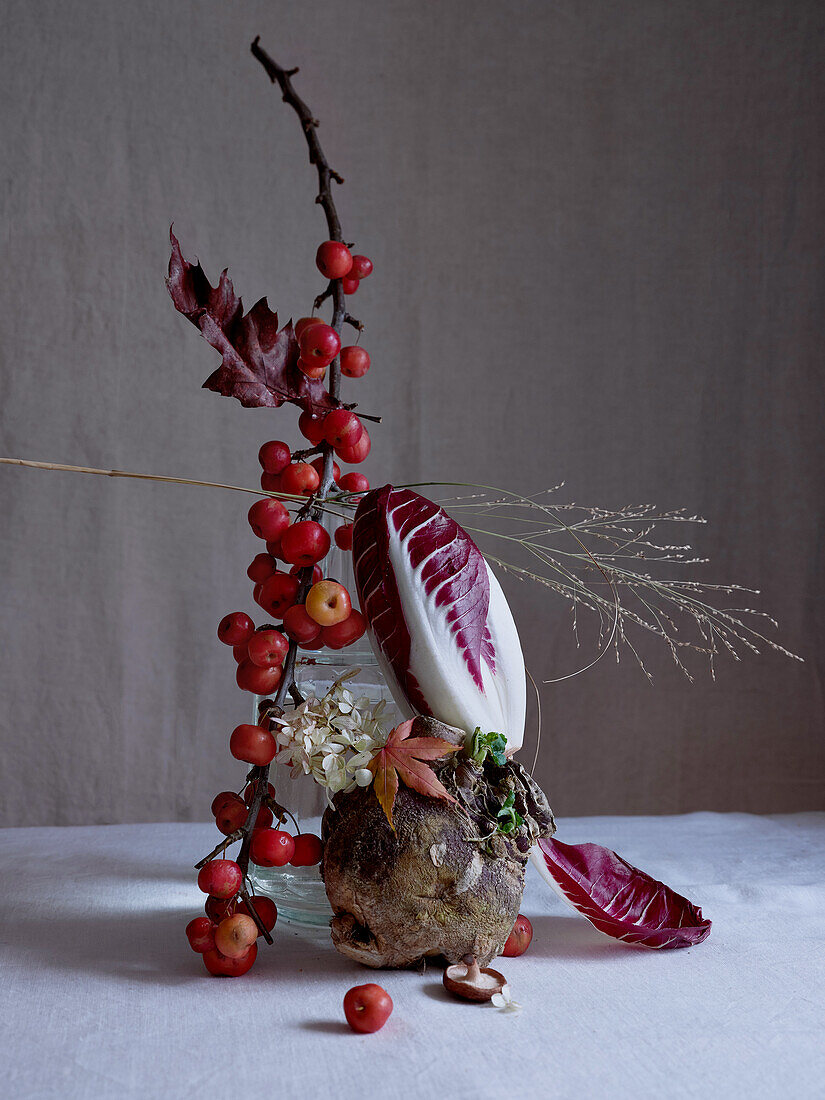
point(314, 506)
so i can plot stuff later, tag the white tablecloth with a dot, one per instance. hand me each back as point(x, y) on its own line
point(103, 998)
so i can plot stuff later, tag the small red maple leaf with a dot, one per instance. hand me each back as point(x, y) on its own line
point(403, 757)
point(259, 361)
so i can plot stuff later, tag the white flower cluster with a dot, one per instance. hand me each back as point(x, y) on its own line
point(332, 738)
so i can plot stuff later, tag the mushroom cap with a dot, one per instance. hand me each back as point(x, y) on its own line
point(468, 981)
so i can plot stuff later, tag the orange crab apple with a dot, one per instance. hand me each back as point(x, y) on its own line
point(328, 603)
point(235, 935)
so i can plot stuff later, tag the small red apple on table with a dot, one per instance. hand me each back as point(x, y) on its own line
point(367, 1007)
point(519, 939)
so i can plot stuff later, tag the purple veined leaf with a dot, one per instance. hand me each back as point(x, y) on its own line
point(258, 360)
point(617, 898)
point(438, 620)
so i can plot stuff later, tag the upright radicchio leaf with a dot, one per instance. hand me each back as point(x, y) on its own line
point(259, 360)
point(437, 616)
point(619, 899)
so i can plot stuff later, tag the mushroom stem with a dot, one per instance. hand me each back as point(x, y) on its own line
point(473, 972)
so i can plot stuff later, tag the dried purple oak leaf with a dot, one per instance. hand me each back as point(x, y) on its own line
point(259, 361)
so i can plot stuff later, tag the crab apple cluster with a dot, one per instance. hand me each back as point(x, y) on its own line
point(309, 610)
point(342, 430)
point(318, 344)
point(231, 812)
point(347, 436)
point(335, 261)
point(227, 936)
point(276, 848)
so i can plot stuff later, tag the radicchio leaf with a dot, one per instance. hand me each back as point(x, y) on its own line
point(619, 899)
point(437, 617)
point(259, 365)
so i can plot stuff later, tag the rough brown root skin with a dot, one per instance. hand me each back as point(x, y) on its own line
point(441, 885)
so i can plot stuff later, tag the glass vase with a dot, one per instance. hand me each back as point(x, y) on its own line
point(299, 892)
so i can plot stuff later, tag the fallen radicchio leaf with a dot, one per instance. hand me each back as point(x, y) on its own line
point(617, 898)
point(259, 365)
point(438, 619)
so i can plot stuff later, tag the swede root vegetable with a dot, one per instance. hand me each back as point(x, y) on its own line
point(448, 882)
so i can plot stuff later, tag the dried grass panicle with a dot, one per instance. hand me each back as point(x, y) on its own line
point(616, 564)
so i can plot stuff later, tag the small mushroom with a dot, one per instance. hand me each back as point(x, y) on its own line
point(468, 981)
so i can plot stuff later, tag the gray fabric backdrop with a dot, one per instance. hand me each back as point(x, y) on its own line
point(598, 238)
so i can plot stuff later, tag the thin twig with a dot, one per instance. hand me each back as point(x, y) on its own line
point(216, 851)
point(315, 506)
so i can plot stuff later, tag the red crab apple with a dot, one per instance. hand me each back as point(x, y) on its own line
point(235, 935)
point(367, 1007)
point(333, 259)
point(267, 648)
point(201, 934)
point(361, 267)
point(349, 284)
point(272, 848)
point(271, 483)
point(311, 370)
point(311, 428)
point(299, 626)
point(221, 878)
point(220, 800)
point(261, 567)
point(340, 635)
point(355, 361)
point(260, 681)
point(221, 966)
point(300, 479)
point(343, 536)
point(358, 452)
point(353, 482)
point(342, 428)
point(305, 543)
point(319, 345)
point(274, 456)
point(305, 322)
point(268, 518)
point(328, 602)
point(265, 908)
point(308, 850)
point(235, 628)
point(519, 939)
point(252, 744)
point(231, 815)
point(278, 593)
point(265, 818)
